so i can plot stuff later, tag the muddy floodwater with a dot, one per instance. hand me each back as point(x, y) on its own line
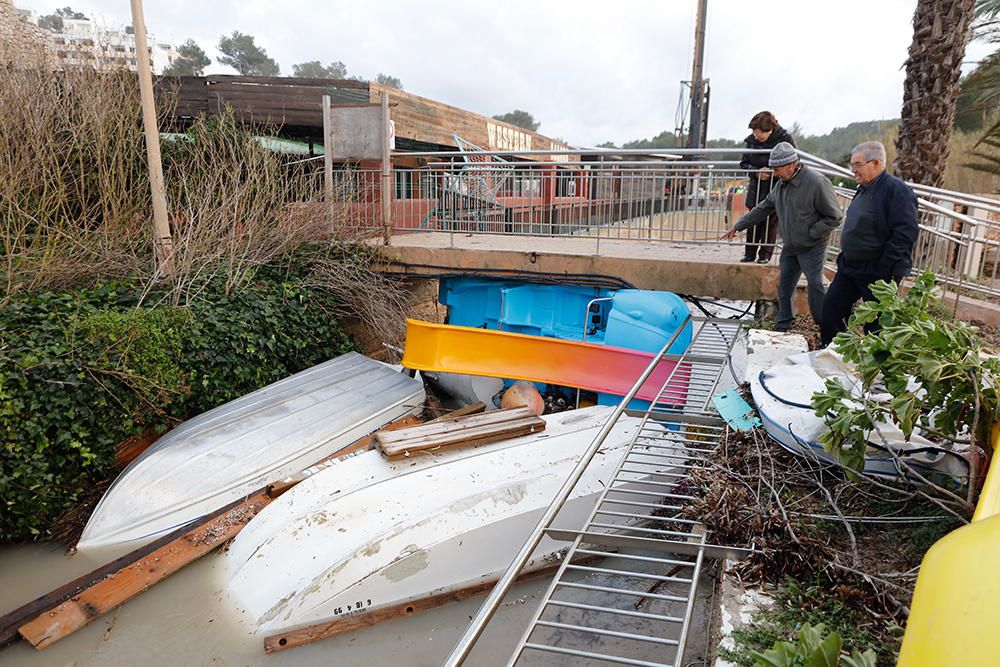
point(186, 620)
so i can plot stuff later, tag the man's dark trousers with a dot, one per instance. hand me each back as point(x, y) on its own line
point(844, 291)
point(792, 265)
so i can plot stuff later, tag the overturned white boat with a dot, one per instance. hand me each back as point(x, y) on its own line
point(230, 451)
point(783, 394)
point(367, 533)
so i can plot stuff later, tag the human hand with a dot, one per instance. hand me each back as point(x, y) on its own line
point(729, 235)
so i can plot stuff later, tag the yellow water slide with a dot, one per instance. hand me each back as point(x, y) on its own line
point(444, 348)
point(956, 604)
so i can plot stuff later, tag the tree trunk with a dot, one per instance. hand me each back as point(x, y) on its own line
point(941, 30)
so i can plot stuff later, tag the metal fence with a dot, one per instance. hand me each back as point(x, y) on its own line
point(686, 197)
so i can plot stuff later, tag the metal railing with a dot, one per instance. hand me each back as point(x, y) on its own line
point(687, 197)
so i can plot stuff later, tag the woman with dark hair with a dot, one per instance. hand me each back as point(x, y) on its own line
point(766, 133)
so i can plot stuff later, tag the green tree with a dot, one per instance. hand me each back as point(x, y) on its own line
point(520, 118)
point(54, 21)
point(191, 60)
point(314, 69)
point(941, 30)
point(241, 53)
point(387, 80)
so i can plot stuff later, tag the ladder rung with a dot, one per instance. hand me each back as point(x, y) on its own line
point(622, 591)
point(647, 517)
point(677, 496)
point(599, 656)
point(619, 612)
point(645, 482)
point(628, 573)
point(608, 633)
point(663, 546)
point(616, 554)
point(639, 529)
point(636, 503)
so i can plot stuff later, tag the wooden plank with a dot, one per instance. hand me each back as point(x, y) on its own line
point(526, 429)
point(470, 421)
point(312, 633)
point(467, 437)
point(120, 586)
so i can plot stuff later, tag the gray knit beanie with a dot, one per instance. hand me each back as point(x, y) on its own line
point(783, 153)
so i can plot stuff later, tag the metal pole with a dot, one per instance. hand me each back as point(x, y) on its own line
point(386, 170)
point(162, 241)
point(328, 160)
point(695, 138)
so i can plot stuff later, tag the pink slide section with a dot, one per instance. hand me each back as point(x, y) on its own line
point(444, 348)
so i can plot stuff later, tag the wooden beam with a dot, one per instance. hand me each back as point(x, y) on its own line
point(122, 585)
point(11, 621)
point(312, 633)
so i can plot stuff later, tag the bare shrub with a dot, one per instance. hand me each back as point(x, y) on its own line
point(73, 190)
point(350, 274)
point(235, 206)
point(75, 205)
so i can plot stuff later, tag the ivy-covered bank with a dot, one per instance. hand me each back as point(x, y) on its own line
point(82, 370)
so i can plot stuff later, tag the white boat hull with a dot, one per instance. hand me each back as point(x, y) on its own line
point(367, 533)
point(783, 394)
point(230, 451)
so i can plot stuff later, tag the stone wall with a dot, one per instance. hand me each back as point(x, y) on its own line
point(21, 42)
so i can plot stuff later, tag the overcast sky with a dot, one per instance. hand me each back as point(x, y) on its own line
point(588, 71)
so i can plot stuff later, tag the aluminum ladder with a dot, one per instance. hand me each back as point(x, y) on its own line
point(625, 590)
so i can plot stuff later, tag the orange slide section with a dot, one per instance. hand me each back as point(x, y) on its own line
point(444, 348)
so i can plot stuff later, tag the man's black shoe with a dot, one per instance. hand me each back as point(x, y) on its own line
point(746, 258)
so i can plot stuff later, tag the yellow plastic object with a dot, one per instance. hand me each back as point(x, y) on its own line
point(956, 603)
point(444, 348)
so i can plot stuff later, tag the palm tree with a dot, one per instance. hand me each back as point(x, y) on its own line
point(984, 85)
point(941, 30)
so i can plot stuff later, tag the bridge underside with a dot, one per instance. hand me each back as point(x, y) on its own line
point(702, 270)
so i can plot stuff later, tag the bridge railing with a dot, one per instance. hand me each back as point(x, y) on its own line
point(680, 197)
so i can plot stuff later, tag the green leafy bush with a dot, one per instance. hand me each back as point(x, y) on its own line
point(805, 613)
point(930, 366)
point(81, 371)
point(812, 650)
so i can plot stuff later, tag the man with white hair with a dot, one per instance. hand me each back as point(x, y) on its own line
point(877, 241)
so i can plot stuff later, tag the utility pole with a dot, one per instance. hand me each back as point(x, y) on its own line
point(696, 135)
point(162, 242)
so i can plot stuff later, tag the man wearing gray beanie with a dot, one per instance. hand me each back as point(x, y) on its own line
point(808, 212)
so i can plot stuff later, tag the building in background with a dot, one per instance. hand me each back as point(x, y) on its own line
point(83, 42)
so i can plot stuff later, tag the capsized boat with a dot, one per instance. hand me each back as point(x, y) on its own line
point(222, 455)
point(783, 392)
point(367, 533)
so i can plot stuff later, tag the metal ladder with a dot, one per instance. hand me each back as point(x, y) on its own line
point(626, 588)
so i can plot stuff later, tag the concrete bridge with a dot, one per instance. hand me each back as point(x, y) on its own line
point(711, 270)
point(705, 270)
